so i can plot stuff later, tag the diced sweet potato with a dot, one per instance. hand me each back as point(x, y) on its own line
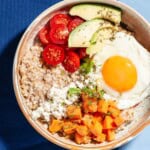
point(89, 104)
point(118, 121)
point(112, 104)
point(87, 120)
point(96, 121)
point(103, 106)
point(115, 112)
point(92, 106)
point(98, 118)
point(108, 123)
point(74, 112)
point(100, 138)
point(110, 135)
point(69, 127)
point(82, 139)
point(55, 126)
point(77, 121)
point(78, 138)
point(82, 130)
point(84, 97)
point(96, 128)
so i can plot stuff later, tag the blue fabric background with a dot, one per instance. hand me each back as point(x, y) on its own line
point(15, 131)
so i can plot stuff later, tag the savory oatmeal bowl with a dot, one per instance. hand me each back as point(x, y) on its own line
point(81, 74)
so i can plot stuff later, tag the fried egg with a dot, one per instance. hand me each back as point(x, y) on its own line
point(122, 69)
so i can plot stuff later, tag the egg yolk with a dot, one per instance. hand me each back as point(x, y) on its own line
point(119, 73)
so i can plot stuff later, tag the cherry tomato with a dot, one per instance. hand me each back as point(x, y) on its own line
point(71, 62)
point(44, 35)
point(53, 54)
point(59, 34)
point(59, 19)
point(69, 49)
point(82, 53)
point(74, 23)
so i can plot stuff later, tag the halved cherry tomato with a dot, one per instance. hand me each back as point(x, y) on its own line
point(74, 23)
point(53, 54)
point(69, 49)
point(59, 34)
point(82, 53)
point(71, 62)
point(44, 35)
point(59, 19)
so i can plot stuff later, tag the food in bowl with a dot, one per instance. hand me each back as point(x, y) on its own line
point(82, 77)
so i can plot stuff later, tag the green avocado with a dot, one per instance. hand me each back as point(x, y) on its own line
point(81, 35)
point(92, 11)
point(98, 39)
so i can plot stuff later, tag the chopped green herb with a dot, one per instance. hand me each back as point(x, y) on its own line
point(73, 91)
point(90, 82)
point(91, 92)
point(101, 93)
point(79, 104)
point(100, 65)
point(87, 66)
point(63, 103)
point(62, 72)
point(50, 101)
point(109, 113)
point(71, 116)
point(89, 102)
point(88, 91)
point(93, 42)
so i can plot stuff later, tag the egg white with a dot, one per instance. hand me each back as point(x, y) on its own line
point(127, 46)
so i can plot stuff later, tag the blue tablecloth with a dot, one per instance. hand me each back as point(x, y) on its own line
point(15, 131)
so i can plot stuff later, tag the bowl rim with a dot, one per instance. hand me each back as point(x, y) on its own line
point(19, 96)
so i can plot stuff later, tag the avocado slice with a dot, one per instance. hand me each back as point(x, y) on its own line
point(91, 11)
point(81, 35)
point(99, 38)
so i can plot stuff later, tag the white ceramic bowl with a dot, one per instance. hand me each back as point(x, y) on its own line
point(133, 20)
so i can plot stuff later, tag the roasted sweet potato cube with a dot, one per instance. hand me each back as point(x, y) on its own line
point(84, 97)
point(115, 112)
point(55, 126)
point(108, 122)
point(87, 120)
point(77, 121)
point(74, 112)
point(82, 139)
point(89, 104)
point(118, 121)
point(103, 106)
point(82, 130)
point(96, 128)
point(69, 127)
point(98, 118)
point(100, 138)
point(110, 135)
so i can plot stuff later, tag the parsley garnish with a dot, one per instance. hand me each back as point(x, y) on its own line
point(63, 104)
point(73, 91)
point(89, 102)
point(108, 113)
point(91, 92)
point(87, 65)
point(101, 93)
point(88, 91)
